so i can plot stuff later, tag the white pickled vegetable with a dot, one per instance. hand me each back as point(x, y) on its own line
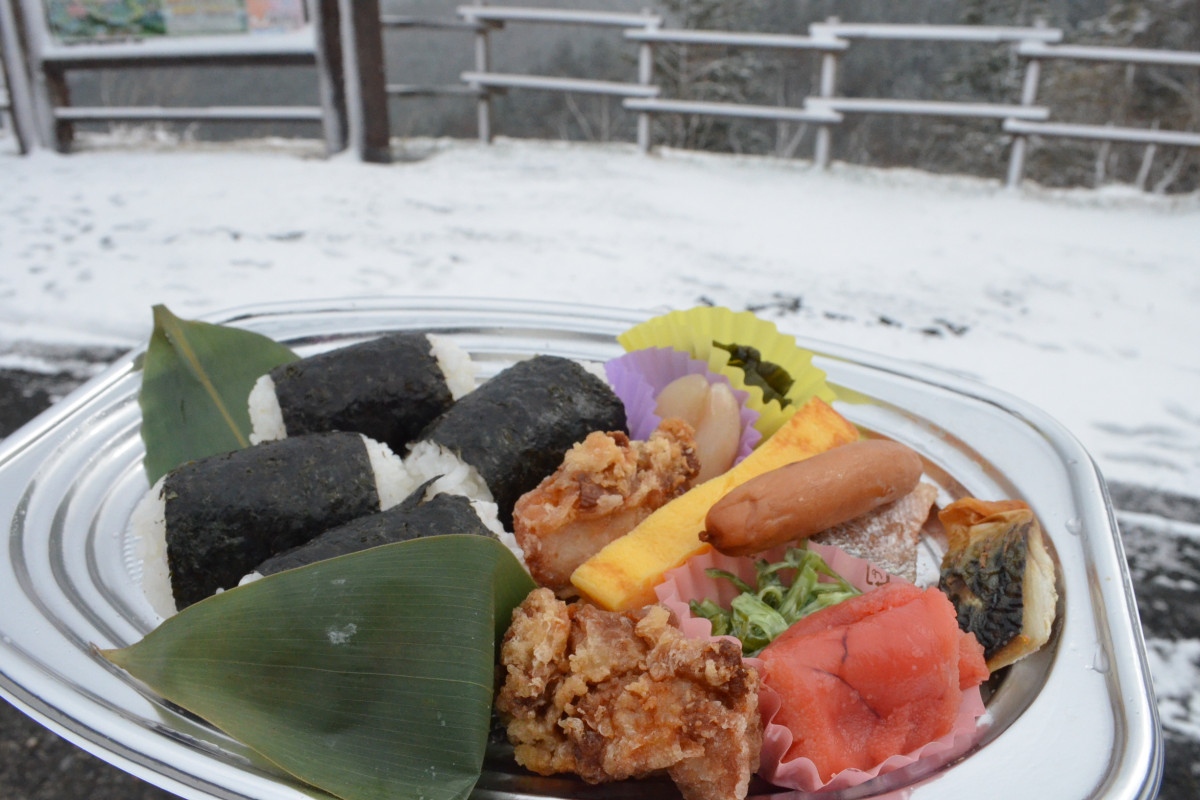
point(712, 410)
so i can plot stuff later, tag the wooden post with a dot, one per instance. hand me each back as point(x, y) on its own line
point(48, 88)
point(483, 63)
point(16, 75)
point(1020, 145)
point(366, 89)
point(331, 73)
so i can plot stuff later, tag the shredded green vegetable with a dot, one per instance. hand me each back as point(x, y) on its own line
point(762, 612)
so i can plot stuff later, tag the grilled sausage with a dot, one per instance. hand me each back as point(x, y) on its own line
point(804, 498)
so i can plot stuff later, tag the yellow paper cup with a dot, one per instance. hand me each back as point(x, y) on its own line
point(699, 330)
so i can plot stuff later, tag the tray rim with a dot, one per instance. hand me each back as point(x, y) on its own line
point(1137, 775)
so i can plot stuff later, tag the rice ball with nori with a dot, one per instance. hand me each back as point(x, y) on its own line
point(417, 517)
point(513, 430)
point(387, 388)
point(209, 522)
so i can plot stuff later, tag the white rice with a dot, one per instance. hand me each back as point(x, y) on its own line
point(393, 482)
point(266, 417)
point(489, 514)
point(428, 460)
point(596, 368)
point(455, 363)
point(148, 529)
point(148, 523)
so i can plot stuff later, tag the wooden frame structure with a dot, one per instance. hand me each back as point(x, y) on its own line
point(46, 62)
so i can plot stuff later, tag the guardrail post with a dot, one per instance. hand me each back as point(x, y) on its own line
point(645, 78)
point(483, 63)
point(823, 147)
point(1020, 144)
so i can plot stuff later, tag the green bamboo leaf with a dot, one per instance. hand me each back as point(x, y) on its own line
point(196, 377)
point(368, 676)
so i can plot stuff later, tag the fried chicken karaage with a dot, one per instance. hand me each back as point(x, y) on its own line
point(609, 696)
point(605, 486)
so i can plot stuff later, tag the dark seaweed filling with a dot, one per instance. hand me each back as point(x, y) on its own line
point(986, 585)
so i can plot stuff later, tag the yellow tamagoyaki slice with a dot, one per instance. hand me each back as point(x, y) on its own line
point(623, 574)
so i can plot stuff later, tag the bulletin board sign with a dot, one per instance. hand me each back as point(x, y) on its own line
point(77, 21)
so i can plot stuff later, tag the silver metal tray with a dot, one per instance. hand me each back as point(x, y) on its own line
point(1077, 720)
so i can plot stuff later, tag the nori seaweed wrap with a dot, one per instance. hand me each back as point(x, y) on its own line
point(515, 428)
point(387, 388)
point(228, 513)
point(414, 518)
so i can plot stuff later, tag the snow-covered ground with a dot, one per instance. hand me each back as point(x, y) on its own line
point(1081, 302)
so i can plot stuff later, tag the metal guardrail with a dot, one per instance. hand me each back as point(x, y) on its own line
point(928, 108)
point(189, 114)
point(359, 22)
point(494, 17)
point(1103, 133)
point(498, 15)
point(435, 25)
point(979, 34)
point(1126, 55)
point(737, 110)
point(1036, 52)
point(503, 80)
point(781, 41)
point(831, 40)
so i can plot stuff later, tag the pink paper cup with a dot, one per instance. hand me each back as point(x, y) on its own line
point(689, 582)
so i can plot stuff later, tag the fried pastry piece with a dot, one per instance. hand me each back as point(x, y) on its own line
point(888, 535)
point(605, 486)
point(609, 696)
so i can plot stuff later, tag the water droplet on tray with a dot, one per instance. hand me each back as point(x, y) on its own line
point(1074, 526)
point(1100, 661)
